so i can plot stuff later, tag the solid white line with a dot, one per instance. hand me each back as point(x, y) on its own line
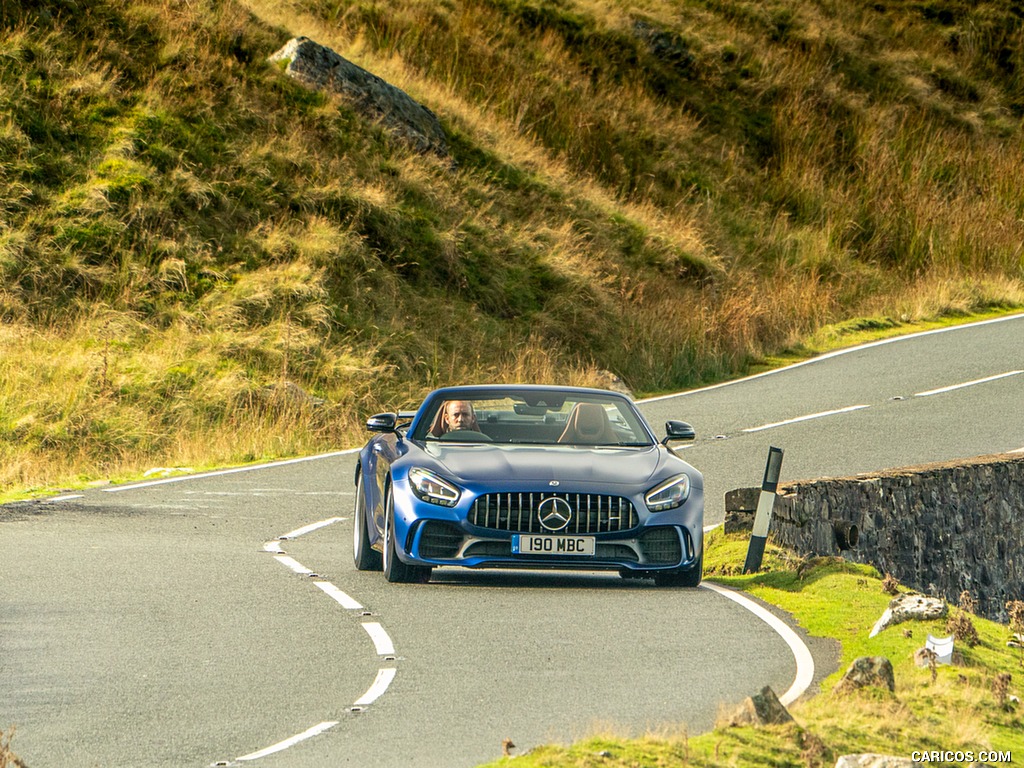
point(69, 497)
point(296, 566)
point(804, 660)
point(837, 353)
point(380, 685)
point(219, 472)
point(968, 384)
point(311, 527)
point(381, 640)
point(807, 418)
point(340, 597)
point(283, 745)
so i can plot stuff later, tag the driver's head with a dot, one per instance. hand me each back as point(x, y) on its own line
point(458, 414)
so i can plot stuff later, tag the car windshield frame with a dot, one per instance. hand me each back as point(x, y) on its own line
point(537, 417)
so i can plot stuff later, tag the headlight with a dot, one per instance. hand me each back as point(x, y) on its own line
point(429, 487)
point(668, 495)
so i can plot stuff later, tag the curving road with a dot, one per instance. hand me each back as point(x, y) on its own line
point(217, 619)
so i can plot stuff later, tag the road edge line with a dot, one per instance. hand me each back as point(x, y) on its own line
point(830, 355)
point(232, 471)
point(804, 660)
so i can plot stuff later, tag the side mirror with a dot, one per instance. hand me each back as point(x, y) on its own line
point(383, 422)
point(678, 430)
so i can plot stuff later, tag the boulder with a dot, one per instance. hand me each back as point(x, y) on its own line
point(875, 761)
point(873, 671)
point(763, 708)
point(321, 68)
point(910, 607)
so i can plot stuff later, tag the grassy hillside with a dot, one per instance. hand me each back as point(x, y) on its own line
point(666, 190)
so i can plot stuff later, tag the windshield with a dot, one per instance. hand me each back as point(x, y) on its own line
point(536, 417)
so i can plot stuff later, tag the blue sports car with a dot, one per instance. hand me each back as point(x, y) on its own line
point(523, 476)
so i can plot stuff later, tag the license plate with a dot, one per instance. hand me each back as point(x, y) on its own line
point(524, 544)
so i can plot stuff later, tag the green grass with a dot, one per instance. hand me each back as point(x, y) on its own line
point(956, 710)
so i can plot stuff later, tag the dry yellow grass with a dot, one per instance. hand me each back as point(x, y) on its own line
point(670, 191)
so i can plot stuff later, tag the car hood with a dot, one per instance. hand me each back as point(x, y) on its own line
point(480, 462)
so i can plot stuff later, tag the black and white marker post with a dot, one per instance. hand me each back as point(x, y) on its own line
point(763, 516)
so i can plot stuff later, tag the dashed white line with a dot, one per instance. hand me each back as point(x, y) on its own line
point(381, 640)
point(338, 596)
point(68, 497)
point(380, 685)
point(940, 390)
point(274, 547)
point(804, 660)
point(311, 527)
point(293, 564)
point(807, 418)
point(291, 742)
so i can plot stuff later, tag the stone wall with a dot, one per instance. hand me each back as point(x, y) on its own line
point(939, 528)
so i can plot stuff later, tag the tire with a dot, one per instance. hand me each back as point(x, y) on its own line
point(395, 570)
point(366, 557)
point(690, 578)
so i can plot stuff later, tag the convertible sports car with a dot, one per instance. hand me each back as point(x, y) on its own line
point(527, 477)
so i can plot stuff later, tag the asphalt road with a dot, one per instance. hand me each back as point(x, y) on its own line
point(169, 624)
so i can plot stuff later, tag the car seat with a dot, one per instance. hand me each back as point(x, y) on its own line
point(588, 424)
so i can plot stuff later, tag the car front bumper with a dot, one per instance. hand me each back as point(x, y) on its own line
point(625, 537)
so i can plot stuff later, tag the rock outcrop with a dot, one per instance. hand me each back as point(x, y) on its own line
point(875, 761)
point(910, 607)
point(319, 67)
point(868, 672)
point(762, 708)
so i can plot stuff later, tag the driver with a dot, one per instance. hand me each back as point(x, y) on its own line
point(458, 414)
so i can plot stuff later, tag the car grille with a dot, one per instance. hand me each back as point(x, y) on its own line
point(517, 512)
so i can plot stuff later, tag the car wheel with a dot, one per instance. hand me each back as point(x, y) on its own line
point(366, 557)
point(394, 569)
point(688, 578)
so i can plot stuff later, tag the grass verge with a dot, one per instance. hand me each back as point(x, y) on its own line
point(965, 708)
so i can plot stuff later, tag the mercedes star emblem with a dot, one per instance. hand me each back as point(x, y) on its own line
point(554, 513)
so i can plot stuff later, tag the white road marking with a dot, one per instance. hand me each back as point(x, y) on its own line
point(273, 546)
point(296, 566)
point(69, 497)
point(219, 472)
point(837, 353)
point(316, 730)
point(804, 660)
point(1018, 450)
point(381, 640)
point(807, 418)
point(967, 384)
point(338, 596)
point(311, 527)
point(380, 685)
